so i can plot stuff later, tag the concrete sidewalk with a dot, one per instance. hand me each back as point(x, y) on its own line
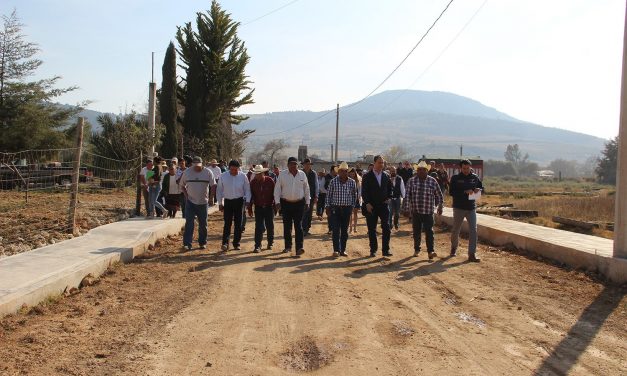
point(592, 253)
point(31, 277)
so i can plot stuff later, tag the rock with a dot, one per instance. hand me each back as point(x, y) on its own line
point(52, 241)
point(45, 234)
point(88, 280)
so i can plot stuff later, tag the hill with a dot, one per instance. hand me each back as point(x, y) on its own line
point(430, 123)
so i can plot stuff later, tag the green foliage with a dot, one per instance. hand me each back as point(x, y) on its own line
point(608, 163)
point(168, 105)
point(498, 168)
point(28, 119)
point(215, 86)
point(124, 137)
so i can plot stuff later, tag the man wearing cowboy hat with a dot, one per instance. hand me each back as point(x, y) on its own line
point(262, 195)
point(215, 169)
point(422, 194)
point(339, 204)
point(291, 197)
point(233, 193)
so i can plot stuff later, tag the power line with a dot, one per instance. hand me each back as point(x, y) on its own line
point(377, 87)
point(401, 93)
point(269, 13)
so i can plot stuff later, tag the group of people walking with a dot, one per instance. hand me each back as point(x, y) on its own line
point(381, 195)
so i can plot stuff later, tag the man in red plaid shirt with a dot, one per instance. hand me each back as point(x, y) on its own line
point(422, 195)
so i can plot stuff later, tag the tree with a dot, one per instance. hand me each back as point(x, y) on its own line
point(608, 162)
point(216, 85)
point(168, 105)
point(516, 158)
point(569, 169)
point(28, 119)
point(124, 137)
point(271, 152)
point(498, 168)
point(397, 153)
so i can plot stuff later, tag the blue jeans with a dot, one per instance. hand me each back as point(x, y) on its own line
point(192, 211)
point(458, 219)
point(153, 192)
point(395, 211)
point(341, 218)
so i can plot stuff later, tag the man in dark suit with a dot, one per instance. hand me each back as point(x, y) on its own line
point(376, 192)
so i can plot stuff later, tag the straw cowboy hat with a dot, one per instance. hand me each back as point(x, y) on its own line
point(213, 161)
point(343, 166)
point(422, 164)
point(258, 169)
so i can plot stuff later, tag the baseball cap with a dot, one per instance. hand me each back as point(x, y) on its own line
point(197, 161)
point(292, 159)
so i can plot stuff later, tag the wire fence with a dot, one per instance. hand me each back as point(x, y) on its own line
point(51, 195)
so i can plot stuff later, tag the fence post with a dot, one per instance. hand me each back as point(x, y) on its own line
point(138, 190)
point(75, 176)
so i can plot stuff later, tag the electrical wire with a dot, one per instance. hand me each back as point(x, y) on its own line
point(269, 13)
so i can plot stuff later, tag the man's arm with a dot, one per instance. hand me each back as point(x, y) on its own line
point(403, 191)
point(247, 192)
point(307, 192)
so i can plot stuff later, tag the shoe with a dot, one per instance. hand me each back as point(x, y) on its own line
point(236, 248)
point(336, 254)
point(329, 232)
point(432, 255)
point(202, 246)
point(417, 253)
point(373, 254)
point(473, 258)
point(343, 254)
point(269, 248)
point(387, 254)
point(287, 250)
point(300, 251)
point(453, 252)
point(396, 227)
point(187, 247)
point(257, 250)
point(305, 233)
point(225, 247)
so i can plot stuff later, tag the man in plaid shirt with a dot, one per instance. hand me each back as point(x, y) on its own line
point(339, 204)
point(422, 194)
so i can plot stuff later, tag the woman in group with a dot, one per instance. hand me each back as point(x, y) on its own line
point(154, 187)
point(352, 173)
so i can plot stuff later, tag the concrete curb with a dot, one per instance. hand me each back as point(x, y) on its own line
point(31, 277)
point(588, 252)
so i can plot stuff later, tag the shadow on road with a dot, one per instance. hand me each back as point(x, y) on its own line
point(565, 355)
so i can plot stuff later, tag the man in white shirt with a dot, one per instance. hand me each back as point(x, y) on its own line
point(291, 196)
point(213, 167)
point(195, 184)
point(233, 194)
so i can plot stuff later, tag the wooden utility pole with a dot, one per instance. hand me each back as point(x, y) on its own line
point(337, 130)
point(75, 176)
point(332, 156)
point(152, 97)
point(620, 211)
point(138, 186)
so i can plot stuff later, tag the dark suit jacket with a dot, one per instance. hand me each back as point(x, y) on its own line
point(372, 193)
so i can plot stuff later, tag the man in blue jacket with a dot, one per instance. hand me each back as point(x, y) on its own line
point(461, 187)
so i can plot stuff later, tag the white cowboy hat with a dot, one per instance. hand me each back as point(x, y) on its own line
point(258, 169)
point(424, 165)
point(343, 166)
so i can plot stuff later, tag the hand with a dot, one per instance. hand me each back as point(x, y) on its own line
point(468, 191)
point(477, 190)
point(369, 208)
point(315, 200)
point(277, 208)
point(250, 212)
point(439, 210)
point(221, 208)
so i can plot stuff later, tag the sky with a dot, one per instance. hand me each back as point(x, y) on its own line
point(556, 63)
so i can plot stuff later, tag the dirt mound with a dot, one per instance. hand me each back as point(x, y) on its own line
point(304, 355)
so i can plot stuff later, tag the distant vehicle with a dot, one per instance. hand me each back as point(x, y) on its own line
point(21, 174)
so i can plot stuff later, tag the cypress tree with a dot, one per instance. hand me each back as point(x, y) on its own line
point(168, 104)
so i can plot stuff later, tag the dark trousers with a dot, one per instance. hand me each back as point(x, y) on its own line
point(322, 198)
point(182, 201)
point(341, 218)
point(307, 217)
point(421, 222)
point(146, 195)
point(382, 212)
point(292, 213)
point(264, 220)
point(243, 217)
point(233, 213)
point(192, 212)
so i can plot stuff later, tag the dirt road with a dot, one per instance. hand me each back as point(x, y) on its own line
point(239, 313)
